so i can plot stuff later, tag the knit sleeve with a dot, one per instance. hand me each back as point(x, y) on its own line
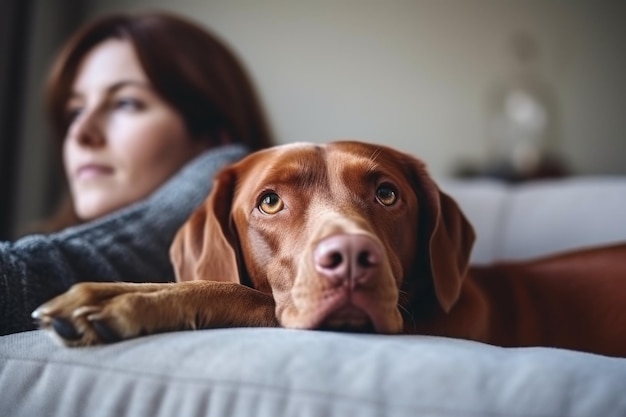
point(129, 245)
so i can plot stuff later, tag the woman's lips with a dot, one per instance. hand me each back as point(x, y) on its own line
point(90, 171)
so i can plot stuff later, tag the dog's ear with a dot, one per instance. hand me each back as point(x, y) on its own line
point(204, 247)
point(446, 237)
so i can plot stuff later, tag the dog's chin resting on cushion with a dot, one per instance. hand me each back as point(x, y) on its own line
point(350, 236)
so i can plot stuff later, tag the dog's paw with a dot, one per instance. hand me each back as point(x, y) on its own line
point(93, 313)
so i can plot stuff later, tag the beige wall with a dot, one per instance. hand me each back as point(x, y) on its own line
point(412, 74)
point(415, 74)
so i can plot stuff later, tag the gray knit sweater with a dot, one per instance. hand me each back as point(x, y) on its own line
point(129, 245)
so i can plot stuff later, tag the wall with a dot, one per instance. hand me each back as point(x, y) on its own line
point(416, 74)
point(412, 74)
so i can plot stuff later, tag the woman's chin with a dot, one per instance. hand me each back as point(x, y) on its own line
point(91, 210)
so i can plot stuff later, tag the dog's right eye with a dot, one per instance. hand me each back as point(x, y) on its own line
point(386, 195)
point(271, 203)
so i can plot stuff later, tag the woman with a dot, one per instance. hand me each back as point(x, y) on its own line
point(146, 108)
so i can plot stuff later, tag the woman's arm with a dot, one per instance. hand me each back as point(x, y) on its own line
point(129, 245)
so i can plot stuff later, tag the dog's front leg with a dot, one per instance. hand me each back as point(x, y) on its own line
point(93, 313)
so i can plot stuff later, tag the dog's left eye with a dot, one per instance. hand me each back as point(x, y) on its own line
point(386, 195)
point(271, 203)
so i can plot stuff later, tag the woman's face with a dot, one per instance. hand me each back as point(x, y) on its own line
point(124, 140)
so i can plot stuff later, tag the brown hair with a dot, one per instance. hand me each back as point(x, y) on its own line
point(187, 66)
point(190, 68)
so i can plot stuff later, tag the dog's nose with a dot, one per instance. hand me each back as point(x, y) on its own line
point(347, 257)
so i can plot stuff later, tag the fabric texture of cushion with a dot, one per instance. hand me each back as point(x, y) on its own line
point(278, 372)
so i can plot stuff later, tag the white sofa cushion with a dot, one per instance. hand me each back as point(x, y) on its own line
point(538, 218)
point(278, 372)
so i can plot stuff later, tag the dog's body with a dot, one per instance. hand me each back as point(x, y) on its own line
point(351, 236)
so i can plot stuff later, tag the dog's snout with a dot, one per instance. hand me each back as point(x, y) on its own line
point(347, 257)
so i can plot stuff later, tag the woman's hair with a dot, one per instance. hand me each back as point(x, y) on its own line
point(187, 66)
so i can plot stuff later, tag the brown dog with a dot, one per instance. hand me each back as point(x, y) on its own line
point(350, 236)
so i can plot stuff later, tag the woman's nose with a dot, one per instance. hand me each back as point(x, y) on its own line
point(86, 129)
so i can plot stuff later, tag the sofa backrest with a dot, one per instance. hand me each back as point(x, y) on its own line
point(542, 217)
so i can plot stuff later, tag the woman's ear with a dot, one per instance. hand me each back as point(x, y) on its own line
point(204, 247)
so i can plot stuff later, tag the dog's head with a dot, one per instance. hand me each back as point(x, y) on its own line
point(343, 235)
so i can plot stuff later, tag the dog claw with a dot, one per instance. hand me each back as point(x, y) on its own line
point(65, 329)
point(104, 332)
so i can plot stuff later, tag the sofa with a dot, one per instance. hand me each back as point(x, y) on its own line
point(280, 372)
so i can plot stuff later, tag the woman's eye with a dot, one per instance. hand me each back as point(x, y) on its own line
point(72, 114)
point(128, 104)
point(271, 203)
point(386, 195)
